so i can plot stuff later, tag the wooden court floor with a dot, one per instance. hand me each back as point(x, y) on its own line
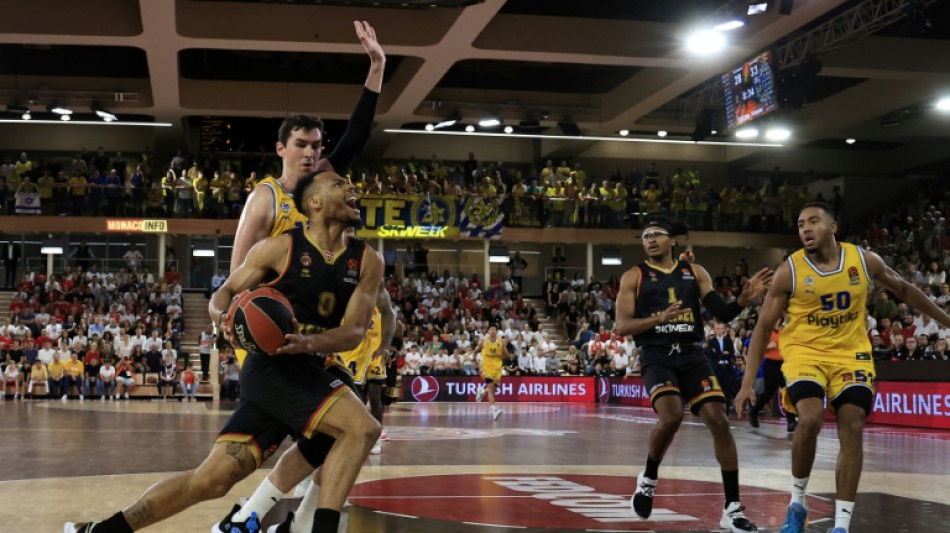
point(449, 467)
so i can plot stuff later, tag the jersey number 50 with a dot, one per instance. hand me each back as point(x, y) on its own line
point(841, 300)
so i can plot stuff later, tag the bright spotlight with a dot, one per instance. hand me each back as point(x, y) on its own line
point(470, 128)
point(778, 134)
point(445, 124)
point(757, 8)
point(850, 140)
point(64, 118)
point(509, 129)
point(60, 110)
point(624, 133)
point(430, 127)
point(705, 42)
point(747, 133)
point(27, 116)
point(489, 122)
point(729, 25)
point(662, 133)
point(944, 104)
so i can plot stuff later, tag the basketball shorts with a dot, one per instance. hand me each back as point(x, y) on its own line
point(492, 372)
point(841, 379)
point(280, 396)
point(685, 374)
point(377, 369)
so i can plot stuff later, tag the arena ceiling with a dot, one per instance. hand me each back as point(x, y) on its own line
point(605, 65)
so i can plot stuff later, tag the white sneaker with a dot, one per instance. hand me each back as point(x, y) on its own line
point(81, 397)
point(3, 395)
point(496, 412)
point(377, 448)
point(480, 394)
point(734, 521)
point(384, 436)
point(102, 398)
point(16, 396)
point(126, 396)
point(116, 397)
point(63, 398)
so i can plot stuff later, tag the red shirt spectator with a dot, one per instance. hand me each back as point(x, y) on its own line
point(92, 353)
point(172, 276)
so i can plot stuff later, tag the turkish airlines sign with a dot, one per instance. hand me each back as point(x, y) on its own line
point(511, 389)
point(917, 404)
point(625, 391)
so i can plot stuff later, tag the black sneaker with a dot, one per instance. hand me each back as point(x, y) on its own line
point(283, 527)
point(81, 527)
point(252, 525)
point(642, 500)
point(792, 423)
point(754, 417)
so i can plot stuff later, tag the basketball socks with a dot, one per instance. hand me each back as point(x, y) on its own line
point(653, 469)
point(843, 511)
point(798, 490)
point(303, 517)
point(730, 482)
point(326, 521)
point(263, 500)
point(114, 524)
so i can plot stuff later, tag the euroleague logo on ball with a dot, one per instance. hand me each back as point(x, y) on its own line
point(425, 388)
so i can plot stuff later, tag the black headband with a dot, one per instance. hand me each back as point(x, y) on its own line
point(660, 223)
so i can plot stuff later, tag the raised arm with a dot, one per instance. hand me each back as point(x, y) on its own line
point(359, 311)
point(254, 225)
point(775, 303)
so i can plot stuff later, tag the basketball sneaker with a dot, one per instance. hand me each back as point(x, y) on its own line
point(838, 530)
point(496, 412)
point(480, 394)
point(252, 525)
point(82, 527)
point(384, 436)
point(283, 527)
point(377, 448)
point(733, 520)
point(795, 519)
point(642, 500)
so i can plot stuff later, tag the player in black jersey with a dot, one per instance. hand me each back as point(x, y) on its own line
point(332, 283)
point(659, 304)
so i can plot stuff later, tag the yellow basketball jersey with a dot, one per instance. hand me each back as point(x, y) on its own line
point(826, 310)
point(357, 360)
point(491, 349)
point(286, 215)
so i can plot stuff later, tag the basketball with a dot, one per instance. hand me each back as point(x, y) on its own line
point(259, 319)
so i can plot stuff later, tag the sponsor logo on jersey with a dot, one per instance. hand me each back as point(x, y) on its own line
point(853, 274)
point(652, 276)
point(285, 207)
point(706, 385)
point(687, 274)
point(846, 377)
point(809, 281)
point(832, 321)
point(306, 260)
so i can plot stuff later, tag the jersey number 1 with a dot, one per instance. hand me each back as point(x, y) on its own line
point(672, 293)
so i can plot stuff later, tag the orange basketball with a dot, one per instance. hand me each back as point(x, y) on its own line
point(259, 319)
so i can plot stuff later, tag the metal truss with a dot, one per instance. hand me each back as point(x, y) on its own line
point(862, 20)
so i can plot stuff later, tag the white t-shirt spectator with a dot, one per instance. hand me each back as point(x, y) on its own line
point(931, 328)
point(114, 329)
point(45, 355)
point(123, 347)
point(173, 310)
point(152, 344)
point(79, 342)
point(525, 361)
point(413, 361)
point(42, 319)
point(139, 340)
point(107, 372)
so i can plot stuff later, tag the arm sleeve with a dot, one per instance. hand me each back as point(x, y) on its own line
point(356, 134)
point(724, 312)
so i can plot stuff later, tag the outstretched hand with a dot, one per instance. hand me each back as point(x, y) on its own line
point(367, 36)
point(758, 284)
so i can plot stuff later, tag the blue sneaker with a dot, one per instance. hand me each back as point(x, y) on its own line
point(838, 530)
point(795, 519)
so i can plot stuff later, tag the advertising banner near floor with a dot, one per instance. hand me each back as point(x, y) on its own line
point(511, 389)
point(917, 404)
point(625, 391)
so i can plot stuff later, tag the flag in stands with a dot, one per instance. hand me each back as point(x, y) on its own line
point(27, 203)
point(482, 217)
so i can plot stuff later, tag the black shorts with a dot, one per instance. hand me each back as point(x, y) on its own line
point(686, 374)
point(280, 396)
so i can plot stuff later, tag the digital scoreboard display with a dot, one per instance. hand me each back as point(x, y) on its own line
point(750, 91)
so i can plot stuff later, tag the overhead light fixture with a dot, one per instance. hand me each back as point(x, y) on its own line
point(64, 118)
point(747, 133)
point(850, 140)
point(430, 127)
point(509, 129)
point(729, 25)
point(51, 250)
point(469, 128)
point(88, 122)
point(105, 115)
point(202, 248)
point(584, 138)
point(610, 257)
point(757, 8)
point(943, 104)
point(489, 122)
point(27, 116)
point(662, 133)
point(446, 124)
point(497, 254)
point(778, 134)
point(202, 253)
point(713, 132)
point(624, 133)
point(60, 110)
point(705, 42)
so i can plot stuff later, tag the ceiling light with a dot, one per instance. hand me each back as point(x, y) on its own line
point(470, 128)
point(88, 122)
point(64, 118)
point(583, 138)
point(498, 254)
point(713, 132)
point(489, 122)
point(430, 127)
point(611, 257)
point(27, 116)
point(445, 124)
point(60, 110)
point(705, 42)
point(747, 133)
point(105, 115)
point(778, 134)
point(850, 140)
point(729, 25)
point(624, 133)
point(757, 8)
point(509, 129)
point(202, 253)
point(944, 104)
point(662, 133)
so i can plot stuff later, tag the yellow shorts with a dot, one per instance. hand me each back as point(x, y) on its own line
point(492, 373)
point(377, 369)
point(833, 374)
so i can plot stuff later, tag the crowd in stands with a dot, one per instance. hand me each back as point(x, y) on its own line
point(85, 333)
point(557, 195)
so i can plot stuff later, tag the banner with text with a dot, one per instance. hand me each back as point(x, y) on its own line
point(903, 403)
point(625, 391)
point(429, 216)
point(511, 389)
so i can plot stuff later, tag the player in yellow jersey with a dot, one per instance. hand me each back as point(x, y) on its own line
point(824, 287)
point(493, 351)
